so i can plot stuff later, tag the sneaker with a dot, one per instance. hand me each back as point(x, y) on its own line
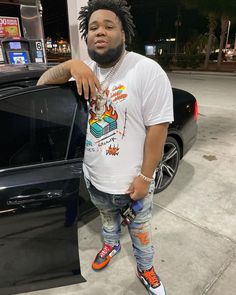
point(104, 256)
point(151, 281)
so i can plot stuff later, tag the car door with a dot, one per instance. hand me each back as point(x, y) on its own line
point(42, 131)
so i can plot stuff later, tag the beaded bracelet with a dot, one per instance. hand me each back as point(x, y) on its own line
point(145, 177)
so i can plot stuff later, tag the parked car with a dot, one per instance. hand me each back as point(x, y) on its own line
point(43, 131)
point(214, 56)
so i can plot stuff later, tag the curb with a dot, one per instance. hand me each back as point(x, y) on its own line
point(204, 73)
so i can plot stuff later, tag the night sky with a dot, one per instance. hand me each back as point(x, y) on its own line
point(154, 20)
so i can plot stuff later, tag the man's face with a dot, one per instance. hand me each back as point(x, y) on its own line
point(105, 37)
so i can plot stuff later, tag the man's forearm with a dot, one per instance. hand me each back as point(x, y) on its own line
point(153, 148)
point(56, 75)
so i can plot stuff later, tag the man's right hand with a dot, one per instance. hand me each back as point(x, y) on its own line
point(85, 78)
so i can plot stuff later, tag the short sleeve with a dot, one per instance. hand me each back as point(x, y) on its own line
point(157, 96)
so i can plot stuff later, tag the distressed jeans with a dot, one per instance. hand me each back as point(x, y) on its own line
point(109, 206)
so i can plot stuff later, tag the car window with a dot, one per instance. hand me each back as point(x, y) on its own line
point(77, 143)
point(35, 126)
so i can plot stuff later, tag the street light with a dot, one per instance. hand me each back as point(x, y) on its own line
point(227, 36)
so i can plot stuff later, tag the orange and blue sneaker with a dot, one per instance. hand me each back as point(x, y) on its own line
point(104, 256)
point(151, 281)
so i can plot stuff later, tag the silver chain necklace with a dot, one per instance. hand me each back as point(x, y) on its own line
point(110, 74)
point(101, 98)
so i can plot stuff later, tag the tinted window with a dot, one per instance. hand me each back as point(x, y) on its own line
point(77, 144)
point(35, 126)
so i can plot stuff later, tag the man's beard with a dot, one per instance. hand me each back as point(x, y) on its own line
point(107, 58)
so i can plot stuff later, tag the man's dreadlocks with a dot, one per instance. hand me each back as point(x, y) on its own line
point(119, 7)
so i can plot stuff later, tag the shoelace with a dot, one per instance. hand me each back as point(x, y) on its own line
point(106, 249)
point(152, 278)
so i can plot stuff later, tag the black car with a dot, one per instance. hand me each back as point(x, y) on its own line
point(42, 193)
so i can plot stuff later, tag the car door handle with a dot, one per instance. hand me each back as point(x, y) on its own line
point(35, 197)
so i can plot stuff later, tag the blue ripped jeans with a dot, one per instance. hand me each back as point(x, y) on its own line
point(109, 206)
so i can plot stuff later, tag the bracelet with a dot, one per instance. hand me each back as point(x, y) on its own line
point(145, 177)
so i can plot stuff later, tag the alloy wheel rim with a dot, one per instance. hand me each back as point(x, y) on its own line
point(167, 167)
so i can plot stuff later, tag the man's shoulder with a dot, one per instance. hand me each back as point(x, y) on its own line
point(145, 63)
point(134, 56)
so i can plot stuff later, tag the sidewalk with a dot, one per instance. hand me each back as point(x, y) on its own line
point(197, 72)
point(227, 68)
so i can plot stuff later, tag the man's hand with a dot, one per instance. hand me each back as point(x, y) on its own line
point(153, 149)
point(138, 189)
point(85, 78)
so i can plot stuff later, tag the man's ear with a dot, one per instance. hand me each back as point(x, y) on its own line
point(123, 36)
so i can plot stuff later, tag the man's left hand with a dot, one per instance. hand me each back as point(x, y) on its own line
point(138, 189)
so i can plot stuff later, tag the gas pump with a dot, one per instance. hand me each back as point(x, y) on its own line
point(16, 50)
point(19, 50)
point(37, 51)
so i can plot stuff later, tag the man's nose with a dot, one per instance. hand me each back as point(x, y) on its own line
point(101, 31)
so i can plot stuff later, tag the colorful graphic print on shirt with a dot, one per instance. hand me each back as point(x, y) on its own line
point(104, 130)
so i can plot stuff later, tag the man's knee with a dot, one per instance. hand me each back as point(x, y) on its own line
point(108, 218)
point(141, 232)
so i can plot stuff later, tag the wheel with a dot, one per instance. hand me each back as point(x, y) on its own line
point(168, 166)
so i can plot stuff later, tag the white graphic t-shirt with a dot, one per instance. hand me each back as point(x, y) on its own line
point(139, 94)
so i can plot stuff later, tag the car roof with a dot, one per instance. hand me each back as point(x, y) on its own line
point(13, 77)
point(13, 73)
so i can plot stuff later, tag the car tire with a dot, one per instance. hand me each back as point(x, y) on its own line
point(168, 166)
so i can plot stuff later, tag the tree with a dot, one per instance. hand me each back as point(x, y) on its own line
point(224, 27)
point(214, 9)
point(227, 12)
point(209, 9)
point(211, 35)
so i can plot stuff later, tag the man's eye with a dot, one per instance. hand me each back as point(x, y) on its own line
point(109, 27)
point(92, 28)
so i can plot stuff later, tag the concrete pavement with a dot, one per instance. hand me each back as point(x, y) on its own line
point(194, 223)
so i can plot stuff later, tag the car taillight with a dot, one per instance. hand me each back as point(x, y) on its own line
point(195, 113)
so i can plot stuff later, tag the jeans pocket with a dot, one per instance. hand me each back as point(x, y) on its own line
point(121, 200)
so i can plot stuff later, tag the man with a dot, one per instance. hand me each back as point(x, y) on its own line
point(130, 109)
